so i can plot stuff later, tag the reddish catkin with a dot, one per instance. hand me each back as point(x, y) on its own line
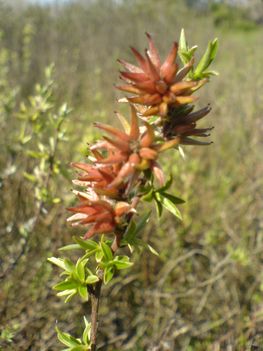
point(124, 169)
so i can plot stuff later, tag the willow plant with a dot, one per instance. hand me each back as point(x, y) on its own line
point(123, 170)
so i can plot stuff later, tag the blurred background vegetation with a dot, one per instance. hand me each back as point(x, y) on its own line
point(57, 71)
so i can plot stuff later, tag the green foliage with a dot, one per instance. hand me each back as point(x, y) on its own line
point(229, 17)
point(41, 132)
point(77, 277)
point(163, 199)
point(76, 344)
point(110, 263)
point(187, 54)
point(131, 239)
point(7, 335)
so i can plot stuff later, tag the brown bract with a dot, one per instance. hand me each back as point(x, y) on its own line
point(134, 150)
point(101, 216)
point(98, 178)
point(183, 125)
point(155, 84)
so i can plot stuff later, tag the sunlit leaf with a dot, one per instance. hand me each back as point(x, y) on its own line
point(122, 262)
point(174, 199)
point(106, 251)
point(169, 205)
point(67, 339)
point(207, 58)
point(82, 290)
point(86, 332)
point(152, 250)
point(58, 262)
point(108, 274)
point(86, 244)
point(70, 247)
point(65, 285)
point(91, 279)
point(80, 269)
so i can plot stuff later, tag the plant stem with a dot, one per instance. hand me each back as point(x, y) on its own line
point(95, 300)
point(95, 292)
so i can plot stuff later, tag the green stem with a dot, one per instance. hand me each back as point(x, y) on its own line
point(95, 300)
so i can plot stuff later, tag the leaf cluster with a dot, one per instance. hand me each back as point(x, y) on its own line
point(76, 344)
point(40, 133)
point(163, 199)
point(186, 54)
point(79, 276)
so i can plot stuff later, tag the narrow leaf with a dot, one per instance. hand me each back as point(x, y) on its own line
point(106, 251)
point(207, 58)
point(152, 250)
point(65, 285)
point(86, 332)
point(67, 339)
point(182, 41)
point(108, 274)
point(58, 262)
point(122, 262)
point(82, 290)
point(169, 205)
point(174, 199)
point(70, 247)
point(91, 279)
point(86, 244)
point(80, 269)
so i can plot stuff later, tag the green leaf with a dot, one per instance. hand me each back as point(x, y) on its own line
point(107, 253)
point(182, 41)
point(66, 285)
point(70, 267)
point(130, 232)
point(167, 184)
point(67, 339)
point(56, 200)
point(99, 255)
point(58, 262)
point(86, 244)
point(207, 58)
point(159, 206)
point(80, 269)
point(174, 199)
point(148, 196)
point(169, 205)
point(210, 73)
point(69, 293)
point(90, 253)
point(108, 274)
point(70, 296)
point(192, 50)
point(82, 290)
point(152, 119)
point(25, 139)
point(143, 221)
point(122, 262)
point(152, 250)
point(70, 247)
point(91, 279)
point(134, 229)
point(30, 177)
point(86, 332)
point(214, 49)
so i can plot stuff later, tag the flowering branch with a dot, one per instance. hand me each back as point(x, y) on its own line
point(123, 170)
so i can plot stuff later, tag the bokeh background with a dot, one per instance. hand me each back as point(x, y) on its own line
point(205, 291)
